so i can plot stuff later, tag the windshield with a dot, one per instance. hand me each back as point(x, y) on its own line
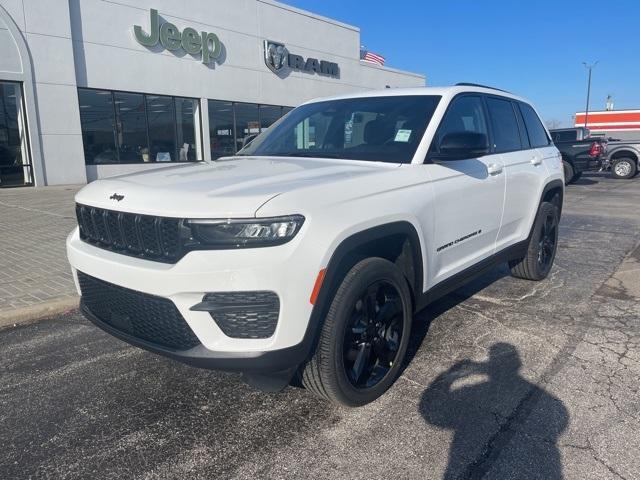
point(378, 129)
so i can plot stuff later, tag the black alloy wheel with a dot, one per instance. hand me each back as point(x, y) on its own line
point(547, 241)
point(364, 337)
point(543, 244)
point(372, 340)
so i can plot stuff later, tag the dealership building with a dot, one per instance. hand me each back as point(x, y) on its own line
point(94, 88)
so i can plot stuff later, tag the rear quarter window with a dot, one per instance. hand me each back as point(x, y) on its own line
point(535, 130)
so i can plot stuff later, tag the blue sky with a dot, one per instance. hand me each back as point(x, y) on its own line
point(533, 48)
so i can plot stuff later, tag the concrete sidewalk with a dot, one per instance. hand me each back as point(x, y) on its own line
point(35, 278)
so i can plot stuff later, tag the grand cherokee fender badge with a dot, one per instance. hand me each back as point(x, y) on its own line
point(116, 197)
point(458, 240)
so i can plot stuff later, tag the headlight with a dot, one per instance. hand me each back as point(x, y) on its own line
point(243, 233)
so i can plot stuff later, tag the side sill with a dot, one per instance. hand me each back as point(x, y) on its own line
point(456, 281)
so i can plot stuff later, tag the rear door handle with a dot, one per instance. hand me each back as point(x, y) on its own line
point(494, 169)
point(536, 160)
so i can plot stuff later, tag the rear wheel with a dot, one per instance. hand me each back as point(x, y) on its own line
point(623, 168)
point(364, 337)
point(569, 172)
point(537, 263)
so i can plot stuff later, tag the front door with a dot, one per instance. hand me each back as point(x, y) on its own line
point(468, 197)
point(15, 168)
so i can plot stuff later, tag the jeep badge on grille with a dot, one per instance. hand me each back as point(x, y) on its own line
point(116, 197)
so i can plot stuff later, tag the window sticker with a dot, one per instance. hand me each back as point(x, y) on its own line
point(402, 135)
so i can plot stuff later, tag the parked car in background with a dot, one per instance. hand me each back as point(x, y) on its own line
point(621, 158)
point(580, 151)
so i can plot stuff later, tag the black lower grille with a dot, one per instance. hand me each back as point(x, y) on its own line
point(155, 238)
point(243, 314)
point(147, 317)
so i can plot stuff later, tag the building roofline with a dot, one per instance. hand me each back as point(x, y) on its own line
point(390, 69)
point(600, 112)
point(309, 14)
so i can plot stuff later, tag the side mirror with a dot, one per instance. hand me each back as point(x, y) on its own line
point(463, 145)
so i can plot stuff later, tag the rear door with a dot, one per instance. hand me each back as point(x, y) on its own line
point(522, 164)
point(468, 195)
point(526, 174)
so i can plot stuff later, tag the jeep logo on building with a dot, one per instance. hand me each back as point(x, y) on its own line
point(171, 38)
point(278, 59)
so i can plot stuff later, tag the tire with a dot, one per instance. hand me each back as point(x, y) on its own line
point(337, 370)
point(623, 168)
point(541, 251)
point(576, 177)
point(569, 172)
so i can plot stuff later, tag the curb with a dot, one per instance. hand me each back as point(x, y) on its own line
point(40, 311)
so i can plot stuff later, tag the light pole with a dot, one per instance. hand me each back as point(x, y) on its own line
point(588, 67)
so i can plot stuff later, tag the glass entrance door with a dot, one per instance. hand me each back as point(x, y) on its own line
point(15, 164)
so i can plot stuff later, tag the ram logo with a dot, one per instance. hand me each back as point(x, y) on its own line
point(116, 197)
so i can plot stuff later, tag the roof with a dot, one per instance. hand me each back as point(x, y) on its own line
point(440, 91)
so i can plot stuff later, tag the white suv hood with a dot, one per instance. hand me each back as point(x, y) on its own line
point(235, 187)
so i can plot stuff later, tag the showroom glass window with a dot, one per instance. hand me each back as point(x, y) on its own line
point(98, 126)
point(162, 135)
point(187, 129)
point(269, 114)
point(230, 123)
point(124, 127)
point(131, 127)
point(247, 122)
point(15, 168)
point(221, 131)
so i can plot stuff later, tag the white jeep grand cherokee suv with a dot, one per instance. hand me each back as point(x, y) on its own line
point(305, 257)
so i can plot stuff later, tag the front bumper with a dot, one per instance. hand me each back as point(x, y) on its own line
point(250, 362)
point(287, 270)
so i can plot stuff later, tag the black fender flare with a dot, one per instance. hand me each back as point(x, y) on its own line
point(339, 264)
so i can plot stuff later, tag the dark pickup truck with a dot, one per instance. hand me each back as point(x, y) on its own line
point(580, 151)
point(622, 158)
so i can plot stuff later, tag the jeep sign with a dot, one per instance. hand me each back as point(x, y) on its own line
point(172, 39)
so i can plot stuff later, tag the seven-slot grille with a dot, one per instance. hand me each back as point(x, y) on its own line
point(155, 238)
point(150, 318)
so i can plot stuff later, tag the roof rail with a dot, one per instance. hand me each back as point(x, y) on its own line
point(465, 84)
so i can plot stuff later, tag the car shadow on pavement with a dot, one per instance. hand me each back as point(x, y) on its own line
point(584, 181)
point(471, 397)
point(457, 401)
point(422, 320)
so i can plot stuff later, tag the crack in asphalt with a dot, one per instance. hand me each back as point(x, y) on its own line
point(495, 445)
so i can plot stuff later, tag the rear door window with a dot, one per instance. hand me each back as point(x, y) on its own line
point(537, 134)
point(504, 126)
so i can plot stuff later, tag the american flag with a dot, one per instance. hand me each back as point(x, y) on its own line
point(371, 57)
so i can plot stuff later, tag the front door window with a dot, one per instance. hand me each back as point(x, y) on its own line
point(15, 168)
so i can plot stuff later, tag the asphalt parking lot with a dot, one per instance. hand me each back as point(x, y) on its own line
point(508, 379)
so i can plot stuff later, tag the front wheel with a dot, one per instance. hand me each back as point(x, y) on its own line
point(364, 337)
point(541, 252)
point(623, 168)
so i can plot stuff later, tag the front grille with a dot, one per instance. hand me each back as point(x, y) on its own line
point(243, 314)
point(147, 317)
point(144, 236)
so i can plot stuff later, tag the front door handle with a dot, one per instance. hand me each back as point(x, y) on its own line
point(494, 169)
point(536, 160)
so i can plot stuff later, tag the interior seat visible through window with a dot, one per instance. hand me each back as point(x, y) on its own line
point(378, 131)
